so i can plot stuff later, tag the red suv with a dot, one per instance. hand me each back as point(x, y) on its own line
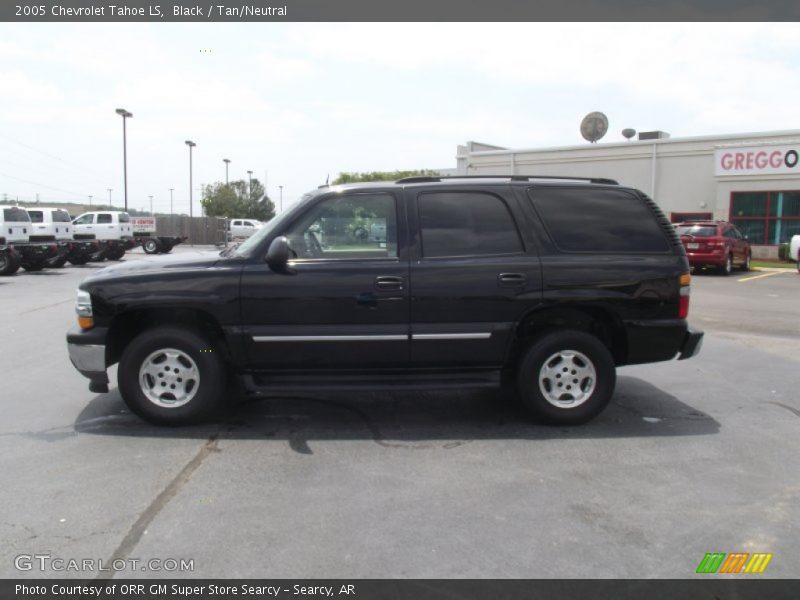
point(714, 244)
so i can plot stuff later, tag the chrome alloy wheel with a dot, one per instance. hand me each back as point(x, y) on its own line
point(567, 379)
point(169, 378)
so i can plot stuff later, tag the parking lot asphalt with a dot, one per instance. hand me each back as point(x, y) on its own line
point(691, 457)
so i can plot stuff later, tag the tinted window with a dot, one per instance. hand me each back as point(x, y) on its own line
point(598, 220)
point(124, 218)
point(104, 218)
point(16, 215)
point(37, 216)
point(466, 224)
point(356, 226)
point(61, 216)
point(697, 230)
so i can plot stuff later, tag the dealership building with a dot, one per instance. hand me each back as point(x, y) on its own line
point(751, 179)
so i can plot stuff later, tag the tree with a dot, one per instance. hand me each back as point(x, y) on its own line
point(234, 202)
point(382, 176)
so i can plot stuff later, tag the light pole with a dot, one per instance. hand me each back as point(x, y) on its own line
point(125, 116)
point(109, 197)
point(151, 206)
point(191, 145)
point(280, 187)
point(227, 161)
point(171, 212)
point(90, 202)
point(249, 185)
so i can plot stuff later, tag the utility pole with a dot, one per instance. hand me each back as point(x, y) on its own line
point(191, 145)
point(109, 197)
point(280, 187)
point(151, 206)
point(227, 161)
point(125, 116)
point(171, 212)
point(249, 185)
point(90, 202)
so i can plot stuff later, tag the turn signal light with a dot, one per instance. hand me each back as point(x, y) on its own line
point(85, 322)
point(683, 299)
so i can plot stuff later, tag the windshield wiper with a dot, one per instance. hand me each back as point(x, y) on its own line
point(230, 249)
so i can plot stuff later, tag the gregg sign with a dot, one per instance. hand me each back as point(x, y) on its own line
point(756, 160)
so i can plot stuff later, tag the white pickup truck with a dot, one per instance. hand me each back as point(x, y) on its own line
point(19, 250)
point(243, 228)
point(50, 224)
point(112, 228)
point(794, 250)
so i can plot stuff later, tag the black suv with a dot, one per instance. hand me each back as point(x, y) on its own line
point(423, 282)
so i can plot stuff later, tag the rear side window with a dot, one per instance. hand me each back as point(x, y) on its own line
point(466, 224)
point(124, 218)
point(61, 216)
point(37, 216)
point(16, 215)
point(104, 218)
point(598, 220)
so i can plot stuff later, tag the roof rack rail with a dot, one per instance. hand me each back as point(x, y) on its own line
point(433, 179)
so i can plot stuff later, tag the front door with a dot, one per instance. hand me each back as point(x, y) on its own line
point(346, 305)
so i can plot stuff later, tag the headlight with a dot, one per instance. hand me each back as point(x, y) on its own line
point(83, 307)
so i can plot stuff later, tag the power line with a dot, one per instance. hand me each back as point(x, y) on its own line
point(49, 187)
point(54, 157)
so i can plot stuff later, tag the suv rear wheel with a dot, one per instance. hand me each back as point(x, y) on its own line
point(172, 376)
point(566, 377)
point(727, 267)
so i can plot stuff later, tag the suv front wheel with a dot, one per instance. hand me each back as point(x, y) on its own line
point(172, 376)
point(566, 377)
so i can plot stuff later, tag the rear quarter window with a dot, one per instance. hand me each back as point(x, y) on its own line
point(61, 216)
point(16, 215)
point(37, 216)
point(598, 220)
point(124, 218)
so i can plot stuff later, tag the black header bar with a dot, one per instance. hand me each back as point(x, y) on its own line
point(266, 11)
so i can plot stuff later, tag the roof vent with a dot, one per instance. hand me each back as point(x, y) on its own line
point(653, 135)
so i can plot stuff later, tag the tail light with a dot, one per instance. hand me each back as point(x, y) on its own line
point(683, 300)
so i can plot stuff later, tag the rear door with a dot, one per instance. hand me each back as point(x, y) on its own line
point(471, 276)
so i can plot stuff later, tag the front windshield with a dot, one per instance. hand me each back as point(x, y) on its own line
point(247, 246)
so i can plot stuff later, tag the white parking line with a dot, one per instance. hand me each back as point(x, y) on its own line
point(763, 275)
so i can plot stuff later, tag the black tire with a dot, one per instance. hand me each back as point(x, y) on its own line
point(79, 260)
point(56, 262)
point(746, 264)
point(116, 253)
point(151, 246)
point(543, 354)
point(9, 264)
point(208, 393)
point(33, 267)
point(727, 268)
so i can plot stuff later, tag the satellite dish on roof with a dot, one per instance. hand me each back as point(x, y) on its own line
point(594, 126)
point(628, 133)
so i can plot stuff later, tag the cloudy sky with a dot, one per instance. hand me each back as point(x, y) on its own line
point(301, 101)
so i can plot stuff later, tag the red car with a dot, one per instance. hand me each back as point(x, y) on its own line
point(714, 244)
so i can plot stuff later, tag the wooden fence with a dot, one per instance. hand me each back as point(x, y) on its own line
point(200, 230)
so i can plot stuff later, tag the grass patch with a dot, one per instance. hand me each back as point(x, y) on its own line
point(773, 265)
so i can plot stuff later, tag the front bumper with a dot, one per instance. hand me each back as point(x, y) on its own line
point(87, 352)
point(692, 343)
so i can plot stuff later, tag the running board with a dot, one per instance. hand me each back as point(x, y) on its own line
point(263, 384)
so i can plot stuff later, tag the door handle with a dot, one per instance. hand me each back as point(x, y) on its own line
point(511, 280)
point(389, 282)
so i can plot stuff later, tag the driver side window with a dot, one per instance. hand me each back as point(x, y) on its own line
point(357, 226)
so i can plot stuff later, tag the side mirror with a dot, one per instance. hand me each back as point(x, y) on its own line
point(278, 256)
